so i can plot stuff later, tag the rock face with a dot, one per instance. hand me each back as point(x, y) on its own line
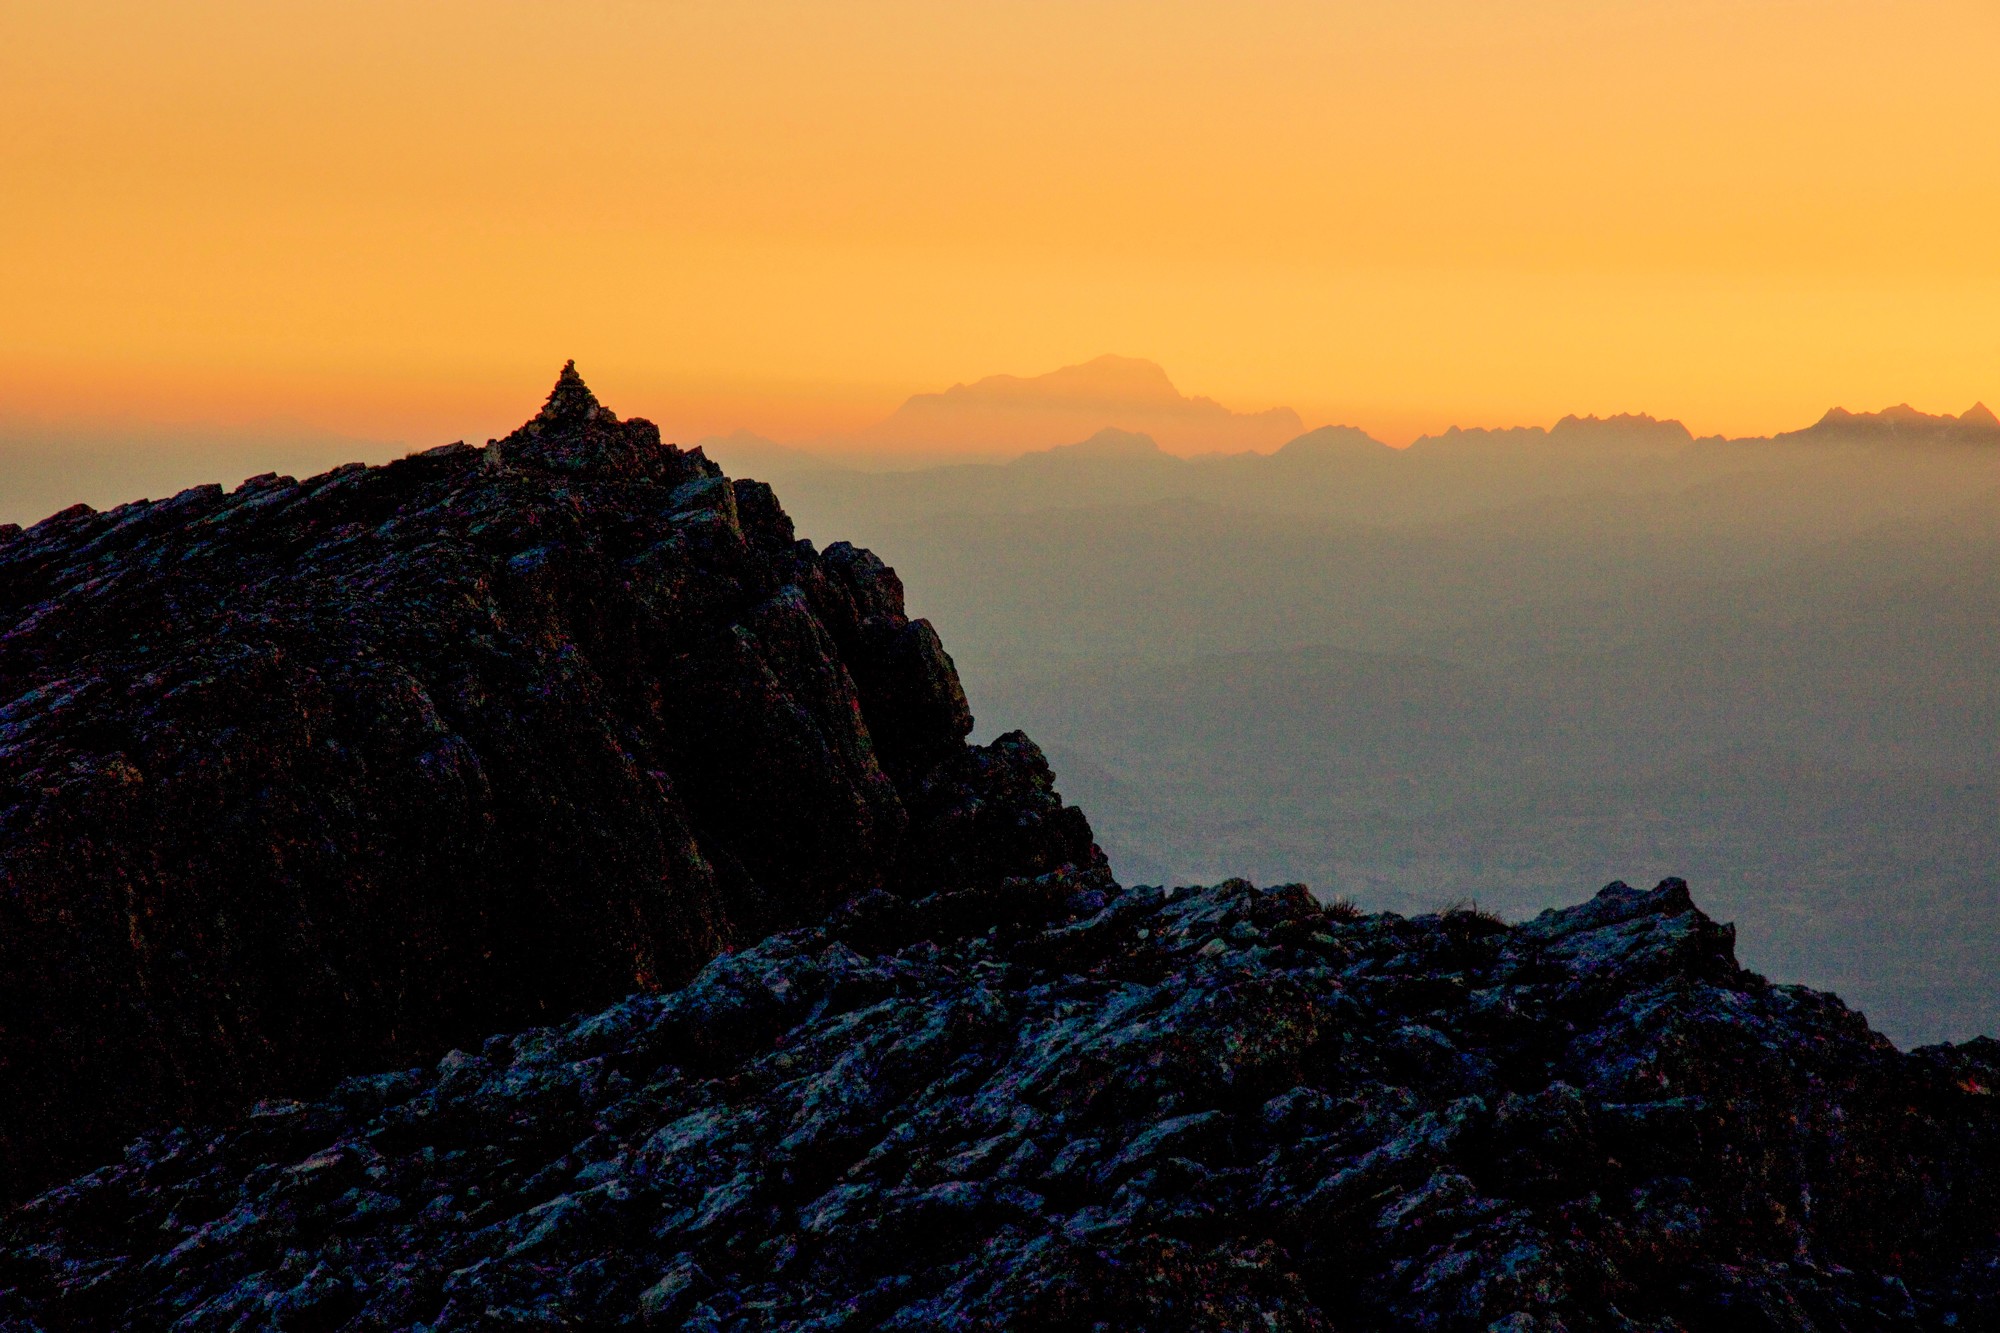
point(1064, 1107)
point(320, 776)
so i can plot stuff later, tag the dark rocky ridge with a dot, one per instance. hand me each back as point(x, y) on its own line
point(1064, 1107)
point(319, 776)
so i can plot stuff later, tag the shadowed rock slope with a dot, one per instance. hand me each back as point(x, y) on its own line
point(319, 776)
point(1070, 1107)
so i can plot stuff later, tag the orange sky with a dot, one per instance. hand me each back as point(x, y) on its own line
point(396, 220)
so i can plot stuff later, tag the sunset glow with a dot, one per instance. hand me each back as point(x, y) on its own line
point(395, 221)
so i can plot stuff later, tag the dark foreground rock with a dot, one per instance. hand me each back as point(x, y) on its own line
point(1057, 1107)
point(319, 776)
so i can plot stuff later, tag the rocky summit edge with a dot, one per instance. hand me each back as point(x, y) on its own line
point(316, 776)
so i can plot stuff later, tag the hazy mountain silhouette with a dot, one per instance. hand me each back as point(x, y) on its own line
point(1002, 416)
point(1625, 432)
point(1339, 472)
point(1501, 662)
point(1904, 424)
point(1007, 413)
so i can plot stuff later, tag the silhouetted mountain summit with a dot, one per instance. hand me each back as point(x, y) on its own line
point(1107, 381)
point(319, 774)
point(1332, 471)
point(1904, 424)
point(1004, 415)
point(1626, 432)
point(1109, 444)
point(1626, 428)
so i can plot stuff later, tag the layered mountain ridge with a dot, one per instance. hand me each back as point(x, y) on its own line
point(329, 811)
point(1001, 415)
point(1007, 419)
point(1498, 664)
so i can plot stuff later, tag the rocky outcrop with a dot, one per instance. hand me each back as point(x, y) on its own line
point(322, 775)
point(1065, 1107)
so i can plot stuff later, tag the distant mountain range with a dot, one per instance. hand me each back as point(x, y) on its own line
point(1007, 414)
point(1126, 409)
point(1903, 423)
point(1003, 416)
point(1496, 662)
point(1071, 421)
point(1771, 662)
point(1342, 473)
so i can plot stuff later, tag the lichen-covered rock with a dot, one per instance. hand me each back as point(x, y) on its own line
point(1096, 1109)
point(319, 775)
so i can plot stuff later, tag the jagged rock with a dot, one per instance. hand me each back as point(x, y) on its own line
point(1220, 1109)
point(316, 776)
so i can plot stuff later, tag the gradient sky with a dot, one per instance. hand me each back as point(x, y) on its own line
point(395, 220)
